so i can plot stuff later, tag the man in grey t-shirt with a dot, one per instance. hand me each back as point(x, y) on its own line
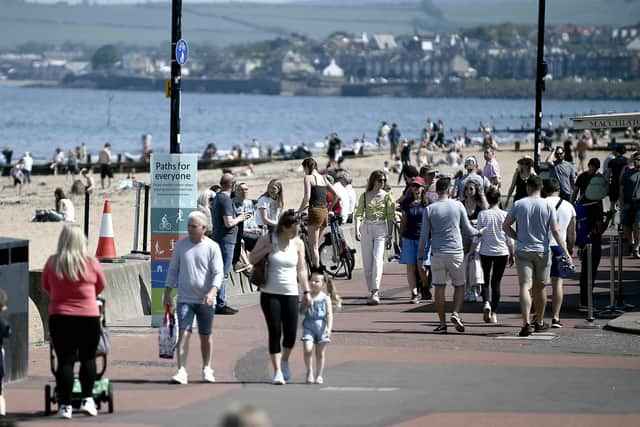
point(444, 220)
point(196, 270)
point(535, 220)
point(225, 230)
point(563, 171)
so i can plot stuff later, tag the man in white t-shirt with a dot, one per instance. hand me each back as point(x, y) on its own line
point(567, 227)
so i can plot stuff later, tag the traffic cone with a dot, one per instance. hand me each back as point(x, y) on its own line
point(106, 244)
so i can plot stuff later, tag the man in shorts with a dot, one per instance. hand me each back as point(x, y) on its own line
point(104, 159)
point(196, 269)
point(536, 221)
point(445, 220)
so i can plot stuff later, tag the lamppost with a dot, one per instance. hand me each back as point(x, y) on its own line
point(176, 76)
point(541, 72)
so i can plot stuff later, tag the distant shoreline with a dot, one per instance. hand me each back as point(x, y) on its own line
point(493, 89)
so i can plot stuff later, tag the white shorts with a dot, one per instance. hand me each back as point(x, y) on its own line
point(447, 268)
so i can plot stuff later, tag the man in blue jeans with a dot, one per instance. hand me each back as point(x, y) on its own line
point(225, 232)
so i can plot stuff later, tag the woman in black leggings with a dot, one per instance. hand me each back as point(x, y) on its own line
point(496, 250)
point(279, 297)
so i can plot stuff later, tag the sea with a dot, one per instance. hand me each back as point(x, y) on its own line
point(39, 120)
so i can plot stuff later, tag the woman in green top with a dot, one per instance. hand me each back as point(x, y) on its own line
point(374, 224)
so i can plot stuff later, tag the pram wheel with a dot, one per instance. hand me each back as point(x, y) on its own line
point(110, 398)
point(47, 399)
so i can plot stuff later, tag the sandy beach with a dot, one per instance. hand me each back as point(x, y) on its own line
point(18, 211)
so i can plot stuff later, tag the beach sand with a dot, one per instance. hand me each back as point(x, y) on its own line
point(17, 212)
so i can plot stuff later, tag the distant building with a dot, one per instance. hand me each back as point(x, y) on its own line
point(333, 70)
point(383, 42)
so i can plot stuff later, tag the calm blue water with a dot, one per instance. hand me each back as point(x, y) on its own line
point(39, 120)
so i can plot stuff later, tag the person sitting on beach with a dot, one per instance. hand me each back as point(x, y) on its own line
point(130, 181)
point(209, 152)
point(64, 210)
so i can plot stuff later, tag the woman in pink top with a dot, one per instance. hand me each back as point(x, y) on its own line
point(73, 279)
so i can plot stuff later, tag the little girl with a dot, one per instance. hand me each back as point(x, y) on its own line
point(318, 322)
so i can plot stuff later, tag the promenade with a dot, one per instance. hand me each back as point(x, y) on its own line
point(385, 367)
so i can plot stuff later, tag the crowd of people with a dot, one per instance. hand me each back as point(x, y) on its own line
point(454, 229)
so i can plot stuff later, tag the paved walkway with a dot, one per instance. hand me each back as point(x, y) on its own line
point(385, 368)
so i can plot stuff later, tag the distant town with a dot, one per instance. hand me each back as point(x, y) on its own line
point(583, 62)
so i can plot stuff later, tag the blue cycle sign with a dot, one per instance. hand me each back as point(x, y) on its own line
point(182, 51)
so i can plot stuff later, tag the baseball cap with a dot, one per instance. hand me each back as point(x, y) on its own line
point(418, 180)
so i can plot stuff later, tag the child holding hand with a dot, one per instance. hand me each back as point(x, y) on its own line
point(318, 323)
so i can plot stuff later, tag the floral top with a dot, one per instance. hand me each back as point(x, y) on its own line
point(379, 210)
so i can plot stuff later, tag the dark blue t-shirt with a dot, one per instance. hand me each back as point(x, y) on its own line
point(414, 220)
point(223, 206)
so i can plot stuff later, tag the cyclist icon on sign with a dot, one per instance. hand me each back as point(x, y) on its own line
point(164, 223)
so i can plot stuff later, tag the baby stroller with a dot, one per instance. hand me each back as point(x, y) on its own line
point(102, 388)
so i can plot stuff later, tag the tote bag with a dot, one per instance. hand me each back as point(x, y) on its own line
point(168, 334)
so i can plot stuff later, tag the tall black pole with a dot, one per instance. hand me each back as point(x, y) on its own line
point(541, 71)
point(176, 76)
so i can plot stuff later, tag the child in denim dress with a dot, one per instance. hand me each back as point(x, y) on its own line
point(318, 323)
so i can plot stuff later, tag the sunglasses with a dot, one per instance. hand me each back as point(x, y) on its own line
point(381, 180)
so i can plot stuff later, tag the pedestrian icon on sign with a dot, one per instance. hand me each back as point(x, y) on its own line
point(182, 52)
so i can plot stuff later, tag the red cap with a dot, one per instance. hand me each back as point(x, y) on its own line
point(418, 180)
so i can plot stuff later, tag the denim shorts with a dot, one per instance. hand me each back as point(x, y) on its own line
point(555, 271)
point(203, 314)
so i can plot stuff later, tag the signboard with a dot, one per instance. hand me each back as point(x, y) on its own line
point(182, 51)
point(174, 192)
point(607, 121)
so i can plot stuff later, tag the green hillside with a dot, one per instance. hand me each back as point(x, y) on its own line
point(222, 24)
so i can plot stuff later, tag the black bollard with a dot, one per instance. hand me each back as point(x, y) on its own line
point(87, 199)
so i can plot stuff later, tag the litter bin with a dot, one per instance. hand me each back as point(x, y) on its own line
point(14, 279)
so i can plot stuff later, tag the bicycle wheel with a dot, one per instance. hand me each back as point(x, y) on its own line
point(334, 267)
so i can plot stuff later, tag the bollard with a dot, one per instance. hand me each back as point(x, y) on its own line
point(590, 322)
point(611, 311)
point(87, 200)
point(620, 303)
point(136, 220)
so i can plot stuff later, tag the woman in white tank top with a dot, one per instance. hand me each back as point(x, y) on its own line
point(287, 273)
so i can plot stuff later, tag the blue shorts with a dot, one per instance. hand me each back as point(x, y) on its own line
point(409, 253)
point(204, 315)
point(555, 271)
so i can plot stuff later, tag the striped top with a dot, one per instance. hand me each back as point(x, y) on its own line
point(494, 241)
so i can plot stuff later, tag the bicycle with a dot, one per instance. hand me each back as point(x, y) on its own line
point(304, 235)
point(335, 254)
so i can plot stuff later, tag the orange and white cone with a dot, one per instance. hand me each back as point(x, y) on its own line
point(106, 244)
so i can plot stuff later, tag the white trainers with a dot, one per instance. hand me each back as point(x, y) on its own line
point(88, 406)
point(207, 375)
point(494, 318)
point(486, 312)
point(181, 377)
point(65, 411)
point(278, 379)
point(375, 299)
point(319, 379)
point(310, 377)
point(286, 370)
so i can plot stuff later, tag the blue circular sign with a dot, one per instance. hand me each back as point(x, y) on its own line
point(182, 51)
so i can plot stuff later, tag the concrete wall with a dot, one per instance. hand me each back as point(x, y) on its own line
point(127, 293)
